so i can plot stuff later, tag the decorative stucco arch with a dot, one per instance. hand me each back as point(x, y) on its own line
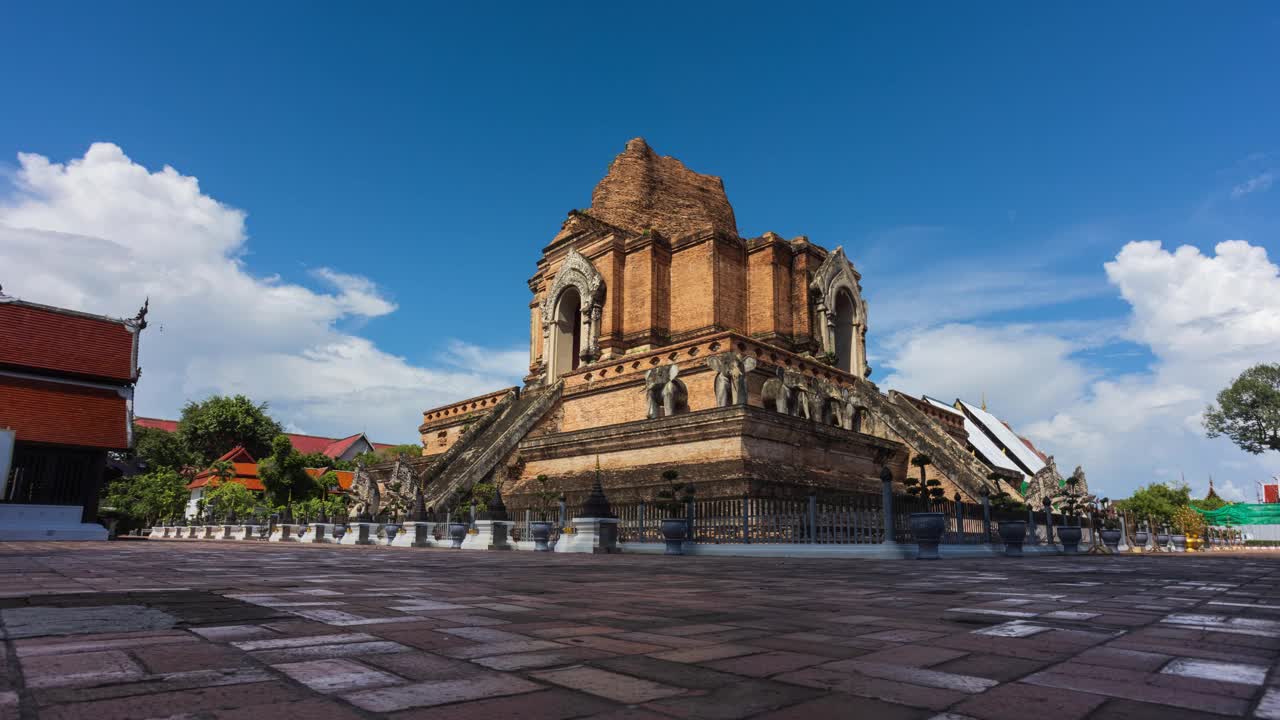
point(835, 278)
point(578, 273)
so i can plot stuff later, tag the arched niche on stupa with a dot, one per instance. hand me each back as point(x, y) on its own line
point(840, 313)
point(571, 316)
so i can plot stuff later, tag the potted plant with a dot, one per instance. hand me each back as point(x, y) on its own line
point(673, 502)
point(1141, 536)
point(458, 527)
point(1071, 502)
point(1188, 522)
point(1162, 537)
point(1110, 525)
point(541, 528)
point(926, 527)
point(1012, 532)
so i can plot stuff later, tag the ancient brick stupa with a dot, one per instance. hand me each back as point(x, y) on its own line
point(662, 339)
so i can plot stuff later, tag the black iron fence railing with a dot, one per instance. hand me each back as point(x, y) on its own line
point(847, 519)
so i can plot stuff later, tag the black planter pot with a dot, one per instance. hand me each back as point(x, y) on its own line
point(674, 531)
point(926, 528)
point(1162, 540)
point(1013, 533)
point(457, 533)
point(1111, 538)
point(1141, 537)
point(1179, 543)
point(1069, 536)
point(541, 532)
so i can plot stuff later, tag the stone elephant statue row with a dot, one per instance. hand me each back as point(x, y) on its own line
point(788, 392)
point(792, 393)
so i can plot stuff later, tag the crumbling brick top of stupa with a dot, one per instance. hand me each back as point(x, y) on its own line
point(644, 190)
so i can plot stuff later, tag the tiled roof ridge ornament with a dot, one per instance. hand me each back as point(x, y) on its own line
point(5, 298)
point(597, 505)
point(139, 321)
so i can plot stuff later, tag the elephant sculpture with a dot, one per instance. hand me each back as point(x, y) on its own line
point(850, 411)
point(665, 393)
point(731, 377)
point(776, 393)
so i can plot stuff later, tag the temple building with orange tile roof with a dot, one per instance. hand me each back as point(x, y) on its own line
point(66, 400)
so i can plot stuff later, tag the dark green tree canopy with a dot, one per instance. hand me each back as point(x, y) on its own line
point(284, 474)
point(1248, 410)
point(320, 460)
point(160, 448)
point(212, 427)
point(152, 496)
point(1157, 500)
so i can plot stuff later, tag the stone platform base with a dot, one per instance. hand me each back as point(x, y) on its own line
point(286, 532)
point(319, 533)
point(360, 533)
point(490, 535)
point(46, 523)
point(415, 534)
point(590, 535)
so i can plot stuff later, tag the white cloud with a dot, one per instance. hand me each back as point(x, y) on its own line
point(1204, 318)
point(1017, 368)
point(1257, 183)
point(101, 232)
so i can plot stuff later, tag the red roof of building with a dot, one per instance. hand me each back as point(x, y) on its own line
point(47, 339)
point(305, 444)
point(64, 413)
point(246, 472)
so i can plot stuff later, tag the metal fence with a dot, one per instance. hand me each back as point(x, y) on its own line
point(846, 519)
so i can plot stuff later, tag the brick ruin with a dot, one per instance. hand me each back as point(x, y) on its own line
point(662, 339)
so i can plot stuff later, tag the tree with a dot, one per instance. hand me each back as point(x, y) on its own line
point(209, 429)
point(929, 490)
point(545, 497)
point(285, 476)
point(222, 470)
point(156, 448)
point(232, 497)
point(320, 460)
point(151, 496)
point(673, 500)
point(1248, 410)
point(1188, 521)
point(1071, 501)
point(1157, 501)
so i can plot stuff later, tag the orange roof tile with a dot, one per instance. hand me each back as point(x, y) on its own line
point(64, 413)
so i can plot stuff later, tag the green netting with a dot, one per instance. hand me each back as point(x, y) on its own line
point(1243, 514)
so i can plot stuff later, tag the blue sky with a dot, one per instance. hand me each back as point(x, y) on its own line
point(980, 163)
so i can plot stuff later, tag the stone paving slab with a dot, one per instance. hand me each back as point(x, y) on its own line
point(195, 630)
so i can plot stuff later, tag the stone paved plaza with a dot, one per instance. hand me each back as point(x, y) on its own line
point(209, 630)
